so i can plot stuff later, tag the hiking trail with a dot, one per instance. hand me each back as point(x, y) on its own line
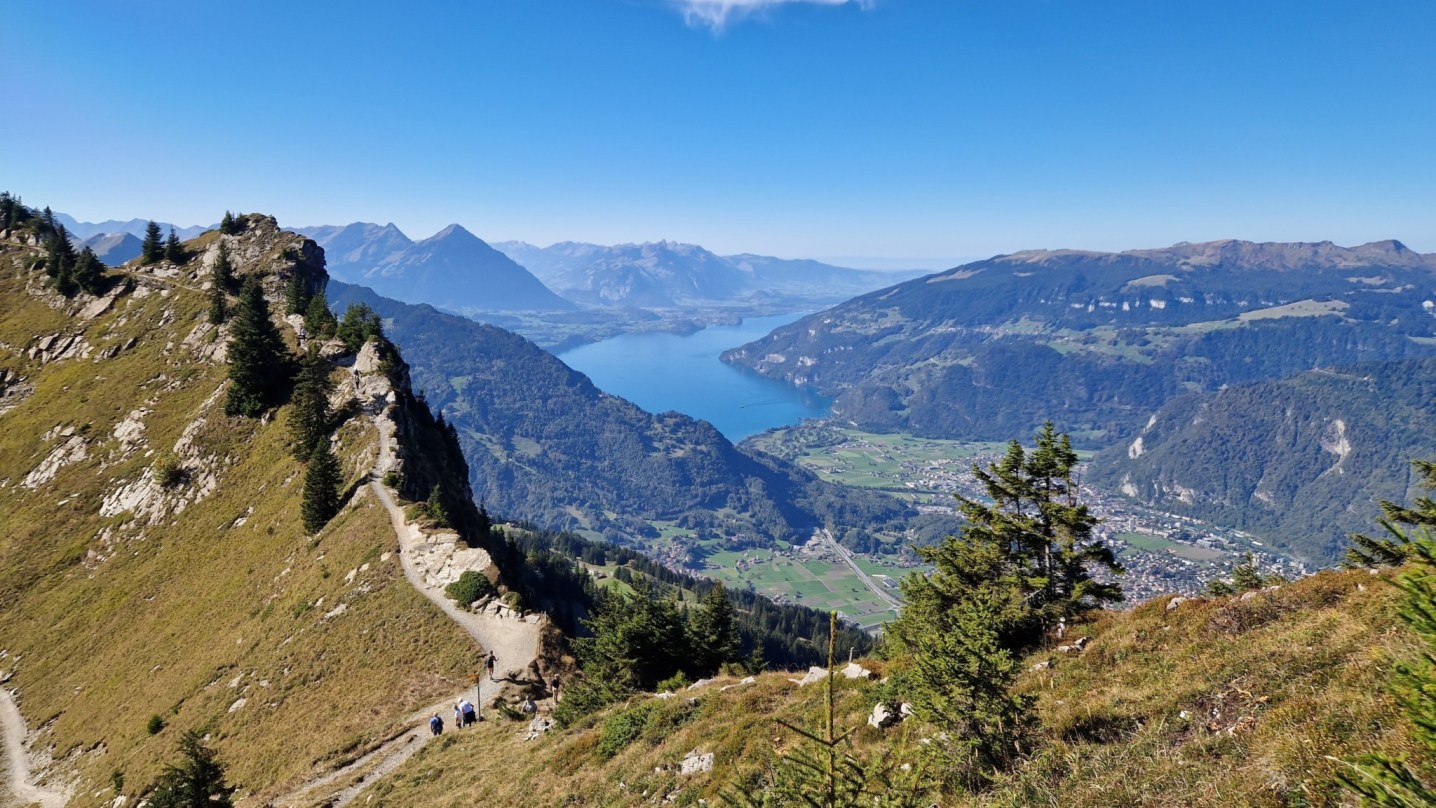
point(513, 641)
point(17, 763)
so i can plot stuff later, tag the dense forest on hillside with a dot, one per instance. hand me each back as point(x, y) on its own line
point(1301, 460)
point(786, 636)
point(547, 446)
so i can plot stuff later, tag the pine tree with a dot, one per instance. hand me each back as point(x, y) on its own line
point(174, 251)
point(223, 272)
point(1383, 779)
point(321, 489)
point(257, 362)
point(153, 248)
point(824, 771)
point(637, 641)
point(228, 226)
point(197, 781)
point(60, 262)
point(958, 625)
point(218, 305)
point(318, 319)
point(296, 293)
point(713, 632)
point(89, 271)
point(309, 416)
point(359, 325)
point(1045, 532)
point(435, 506)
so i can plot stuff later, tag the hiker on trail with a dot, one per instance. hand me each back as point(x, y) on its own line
point(356, 380)
point(553, 686)
point(436, 725)
point(528, 707)
point(470, 716)
point(489, 663)
point(459, 715)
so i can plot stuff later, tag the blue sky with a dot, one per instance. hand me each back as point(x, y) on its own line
point(915, 129)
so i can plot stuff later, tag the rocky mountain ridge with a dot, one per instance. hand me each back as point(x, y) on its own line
point(152, 565)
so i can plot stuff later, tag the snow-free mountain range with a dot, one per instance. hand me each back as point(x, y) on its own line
point(160, 539)
point(1165, 361)
point(457, 271)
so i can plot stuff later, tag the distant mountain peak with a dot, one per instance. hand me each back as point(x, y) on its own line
point(453, 231)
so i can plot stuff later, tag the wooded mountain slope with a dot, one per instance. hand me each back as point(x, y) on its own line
point(545, 445)
point(1300, 461)
point(1096, 341)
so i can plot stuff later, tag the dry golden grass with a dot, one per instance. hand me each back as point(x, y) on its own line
point(1272, 686)
point(186, 618)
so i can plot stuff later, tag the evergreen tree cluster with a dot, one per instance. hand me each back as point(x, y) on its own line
point(1245, 577)
point(174, 252)
point(231, 225)
point(359, 325)
point(258, 360)
point(156, 247)
point(640, 639)
point(221, 284)
point(14, 215)
point(69, 272)
point(785, 636)
point(152, 248)
point(322, 479)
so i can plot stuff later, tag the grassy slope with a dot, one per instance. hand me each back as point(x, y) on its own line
point(1294, 675)
point(162, 619)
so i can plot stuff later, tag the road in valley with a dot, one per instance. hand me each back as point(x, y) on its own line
point(847, 557)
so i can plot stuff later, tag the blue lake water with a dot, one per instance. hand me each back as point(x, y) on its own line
point(661, 372)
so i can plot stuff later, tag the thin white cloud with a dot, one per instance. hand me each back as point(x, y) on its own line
point(717, 14)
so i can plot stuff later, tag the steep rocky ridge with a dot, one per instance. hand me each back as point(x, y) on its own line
point(134, 600)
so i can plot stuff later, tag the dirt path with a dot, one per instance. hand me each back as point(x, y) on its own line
point(17, 763)
point(514, 643)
